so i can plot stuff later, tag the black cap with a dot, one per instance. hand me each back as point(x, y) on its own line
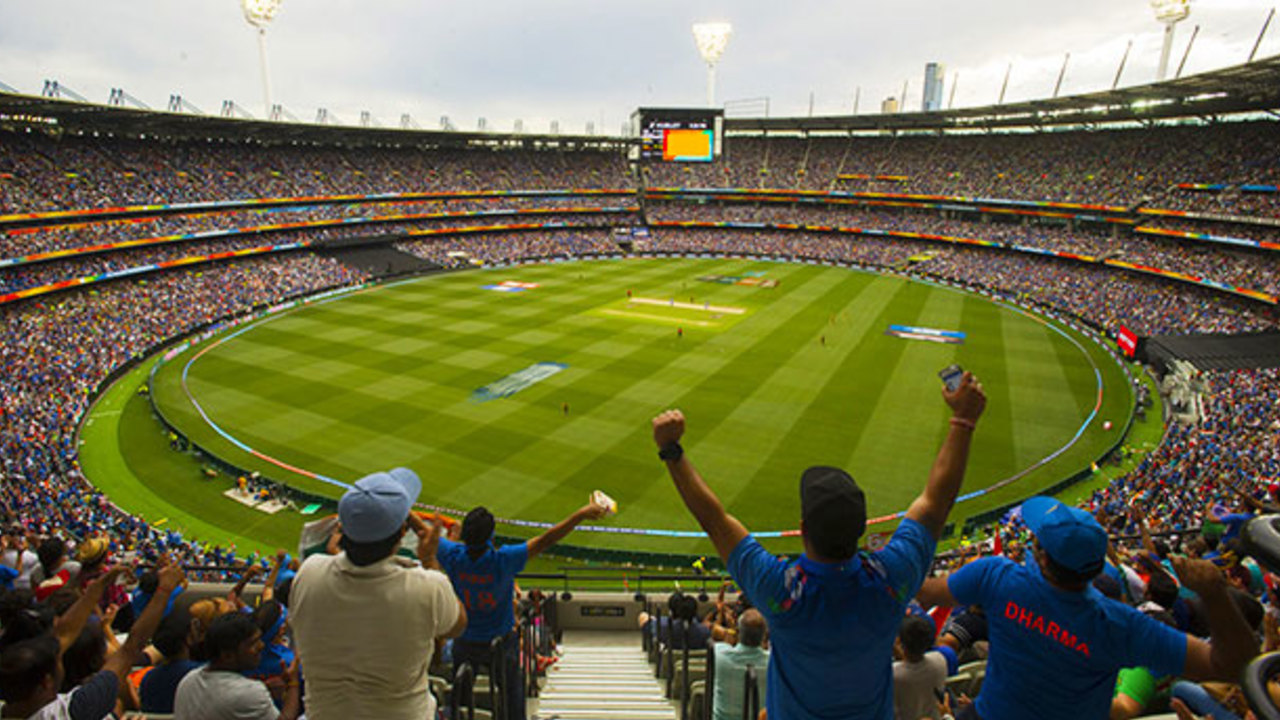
point(477, 527)
point(834, 511)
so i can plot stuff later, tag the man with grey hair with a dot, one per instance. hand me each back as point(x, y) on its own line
point(732, 662)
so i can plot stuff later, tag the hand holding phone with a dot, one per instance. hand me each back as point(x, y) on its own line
point(951, 376)
point(963, 393)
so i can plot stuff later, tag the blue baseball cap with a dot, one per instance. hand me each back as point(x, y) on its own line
point(1070, 535)
point(378, 504)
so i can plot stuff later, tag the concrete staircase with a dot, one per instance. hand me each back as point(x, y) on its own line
point(598, 678)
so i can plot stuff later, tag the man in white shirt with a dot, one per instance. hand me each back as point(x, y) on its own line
point(365, 620)
point(18, 555)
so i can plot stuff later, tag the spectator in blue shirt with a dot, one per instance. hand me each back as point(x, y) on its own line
point(1057, 643)
point(684, 613)
point(141, 595)
point(173, 640)
point(483, 577)
point(833, 614)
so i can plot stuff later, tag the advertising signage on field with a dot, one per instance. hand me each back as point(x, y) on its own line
point(1128, 342)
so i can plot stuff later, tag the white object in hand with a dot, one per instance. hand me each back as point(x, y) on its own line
point(609, 504)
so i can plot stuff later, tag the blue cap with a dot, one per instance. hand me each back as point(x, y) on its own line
point(378, 504)
point(1070, 535)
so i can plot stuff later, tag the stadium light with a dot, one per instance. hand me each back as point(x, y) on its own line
point(711, 39)
point(260, 13)
point(1169, 12)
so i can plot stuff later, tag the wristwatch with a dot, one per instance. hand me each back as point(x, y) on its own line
point(671, 451)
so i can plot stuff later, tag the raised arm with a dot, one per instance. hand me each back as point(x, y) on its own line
point(68, 625)
point(1254, 504)
point(237, 593)
point(1232, 644)
point(121, 661)
point(428, 539)
point(935, 593)
point(1147, 543)
point(291, 708)
point(590, 511)
point(269, 585)
point(934, 504)
point(724, 529)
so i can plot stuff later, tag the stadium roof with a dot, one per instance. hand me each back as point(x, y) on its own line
point(58, 115)
point(1249, 88)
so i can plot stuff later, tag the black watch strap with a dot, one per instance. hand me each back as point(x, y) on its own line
point(671, 451)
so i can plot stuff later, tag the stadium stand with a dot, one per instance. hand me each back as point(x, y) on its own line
point(1163, 230)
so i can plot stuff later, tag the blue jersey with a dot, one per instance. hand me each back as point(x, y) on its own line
point(832, 625)
point(1055, 653)
point(486, 586)
point(139, 600)
point(7, 576)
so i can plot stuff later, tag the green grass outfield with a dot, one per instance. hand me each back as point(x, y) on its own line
point(771, 379)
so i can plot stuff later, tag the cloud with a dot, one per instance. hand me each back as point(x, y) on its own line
point(579, 61)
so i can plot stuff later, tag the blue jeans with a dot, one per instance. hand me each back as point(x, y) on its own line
point(1200, 702)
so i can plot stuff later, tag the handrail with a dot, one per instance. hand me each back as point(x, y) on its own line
point(684, 675)
point(463, 685)
point(751, 694)
point(709, 703)
point(498, 677)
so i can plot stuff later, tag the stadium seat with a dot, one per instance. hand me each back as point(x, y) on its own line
point(959, 683)
point(699, 704)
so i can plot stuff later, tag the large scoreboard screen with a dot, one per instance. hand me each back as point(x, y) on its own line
point(679, 135)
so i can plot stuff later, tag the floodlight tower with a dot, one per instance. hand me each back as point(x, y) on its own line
point(1169, 12)
point(711, 39)
point(260, 13)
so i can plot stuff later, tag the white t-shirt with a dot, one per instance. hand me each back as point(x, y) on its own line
point(365, 636)
point(222, 695)
point(30, 561)
point(95, 699)
point(71, 566)
point(915, 686)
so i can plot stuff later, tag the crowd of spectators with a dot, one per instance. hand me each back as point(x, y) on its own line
point(1123, 168)
point(1249, 269)
point(1190, 497)
point(494, 248)
point(55, 352)
point(1200, 466)
point(1106, 297)
point(1117, 167)
point(1242, 231)
point(20, 277)
point(38, 173)
point(65, 534)
point(49, 238)
point(1197, 473)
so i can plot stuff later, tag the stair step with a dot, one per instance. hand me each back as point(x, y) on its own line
point(567, 712)
point(598, 684)
point(605, 682)
point(604, 691)
point(589, 669)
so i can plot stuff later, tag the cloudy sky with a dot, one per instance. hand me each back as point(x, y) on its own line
point(595, 60)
